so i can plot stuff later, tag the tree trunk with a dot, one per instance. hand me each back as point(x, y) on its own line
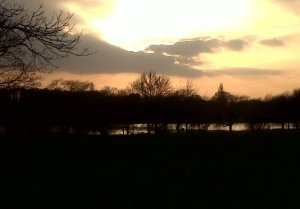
point(155, 128)
point(251, 127)
point(178, 128)
point(127, 129)
point(148, 128)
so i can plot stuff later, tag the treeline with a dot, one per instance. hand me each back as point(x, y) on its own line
point(46, 110)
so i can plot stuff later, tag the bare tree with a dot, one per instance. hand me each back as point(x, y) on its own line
point(30, 41)
point(27, 80)
point(222, 97)
point(150, 84)
point(109, 90)
point(71, 85)
point(227, 106)
point(188, 90)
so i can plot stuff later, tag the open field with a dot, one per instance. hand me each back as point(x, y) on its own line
point(208, 170)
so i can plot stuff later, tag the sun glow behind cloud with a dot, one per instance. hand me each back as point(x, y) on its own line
point(136, 23)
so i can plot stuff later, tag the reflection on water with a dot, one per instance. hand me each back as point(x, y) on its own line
point(171, 128)
point(129, 129)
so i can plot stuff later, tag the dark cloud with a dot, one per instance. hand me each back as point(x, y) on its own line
point(182, 55)
point(112, 59)
point(235, 44)
point(194, 47)
point(50, 8)
point(91, 7)
point(31, 5)
point(55, 4)
point(187, 61)
point(272, 42)
point(243, 72)
point(187, 47)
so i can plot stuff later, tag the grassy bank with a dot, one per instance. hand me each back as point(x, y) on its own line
point(206, 170)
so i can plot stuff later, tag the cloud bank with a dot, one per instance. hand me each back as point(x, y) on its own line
point(112, 59)
point(176, 59)
point(272, 42)
point(194, 47)
point(244, 72)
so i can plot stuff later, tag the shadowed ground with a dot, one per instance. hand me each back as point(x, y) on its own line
point(208, 170)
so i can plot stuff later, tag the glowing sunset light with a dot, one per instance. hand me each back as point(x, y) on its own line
point(236, 42)
point(135, 21)
point(149, 104)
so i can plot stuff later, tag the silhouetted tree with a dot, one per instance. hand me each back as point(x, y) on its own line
point(294, 109)
point(30, 41)
point(226, 107)
point(189, 102)
point(188, 90)
point(109, 90)
point(256, 113)
point(82, 112)
point(279, 108)
point(71, 85)
point(27, 80)
point(151, 84)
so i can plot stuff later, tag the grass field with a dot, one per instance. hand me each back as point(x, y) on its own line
point(206, 170)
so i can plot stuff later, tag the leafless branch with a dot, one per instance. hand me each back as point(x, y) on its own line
point(31, 41)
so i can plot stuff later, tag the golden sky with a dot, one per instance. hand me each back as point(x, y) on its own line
point(252, 46)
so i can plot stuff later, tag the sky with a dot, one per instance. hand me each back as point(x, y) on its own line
point(251, 46)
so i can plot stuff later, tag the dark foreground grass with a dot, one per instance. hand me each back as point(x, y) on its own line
point(208, 170)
